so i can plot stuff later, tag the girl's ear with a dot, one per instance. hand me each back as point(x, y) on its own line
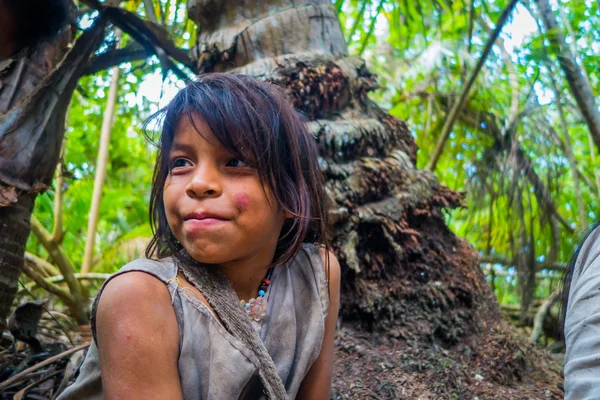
point(288, 215)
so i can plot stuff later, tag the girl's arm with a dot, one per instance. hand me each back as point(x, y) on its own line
point(138, 339)
point(317, 383)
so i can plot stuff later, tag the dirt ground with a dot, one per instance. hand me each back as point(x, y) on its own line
point(500, 366)
point(371, 366)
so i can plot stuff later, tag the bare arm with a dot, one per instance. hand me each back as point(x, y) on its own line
point(138, 339)
point(317, 383)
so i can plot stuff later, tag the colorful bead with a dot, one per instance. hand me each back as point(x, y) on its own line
point(257, 308)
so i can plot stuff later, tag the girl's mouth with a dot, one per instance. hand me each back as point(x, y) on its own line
point(203, 220)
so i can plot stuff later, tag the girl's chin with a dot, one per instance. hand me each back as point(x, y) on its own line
point(212, 257)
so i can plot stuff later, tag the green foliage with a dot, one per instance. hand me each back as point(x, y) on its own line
point(423, 53)
point(123, 229)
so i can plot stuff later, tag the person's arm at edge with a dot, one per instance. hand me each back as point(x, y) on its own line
point(138, 339)
point(317, 383)
point(582, 323)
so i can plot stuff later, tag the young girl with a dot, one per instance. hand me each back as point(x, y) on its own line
point(238, 297)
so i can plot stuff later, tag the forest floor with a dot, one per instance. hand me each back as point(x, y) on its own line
point(497, 365)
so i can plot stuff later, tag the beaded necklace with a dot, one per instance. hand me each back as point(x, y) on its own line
point(257, 308)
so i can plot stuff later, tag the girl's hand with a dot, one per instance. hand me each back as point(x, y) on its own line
point(317, 383)
point(138, 339)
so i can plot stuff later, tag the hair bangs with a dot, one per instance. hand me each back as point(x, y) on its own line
point(255, 122)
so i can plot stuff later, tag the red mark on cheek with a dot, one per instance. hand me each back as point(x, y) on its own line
point(242, 200)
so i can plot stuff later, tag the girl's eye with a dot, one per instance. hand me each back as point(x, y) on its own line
point(179, 163)
point(236, 163)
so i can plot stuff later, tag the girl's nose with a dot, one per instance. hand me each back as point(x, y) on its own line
point(205, 182)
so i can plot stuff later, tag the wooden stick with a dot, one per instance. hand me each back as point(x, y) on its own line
point(21, 375)
point(92, 276)
point(22, 392)
point(540, 316)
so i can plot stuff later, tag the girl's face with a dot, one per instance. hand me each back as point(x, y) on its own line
point(215, 205)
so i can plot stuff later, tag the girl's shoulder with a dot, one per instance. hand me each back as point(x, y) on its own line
point(138, 278)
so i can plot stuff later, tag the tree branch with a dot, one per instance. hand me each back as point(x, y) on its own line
point(150, 11)
point(568, 150)
point(474, 118)
point(456, 108)
point(48, 269)
point(371, 28)
point(93, 276)
point(58, 255)
point(115, 57)
point(580, 87)
point(57, 230)
point(540, 316)
point(26, 373)
point(357, 21)
point(552, 266)
point(47, 286)
point(561, 144)
point(101, 165)
point(153, 38)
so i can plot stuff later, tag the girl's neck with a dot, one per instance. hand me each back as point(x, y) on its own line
point(245, 275)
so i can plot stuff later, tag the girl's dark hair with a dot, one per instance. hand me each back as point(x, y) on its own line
point(38, 21)
point(566, 281)
point(256, 122)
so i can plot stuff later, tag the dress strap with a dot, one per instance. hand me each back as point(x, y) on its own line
point(315, 260)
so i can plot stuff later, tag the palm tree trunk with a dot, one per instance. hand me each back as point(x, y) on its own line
point(14, 230)
point(402, 266)
point(16, 209)
point(34, 95)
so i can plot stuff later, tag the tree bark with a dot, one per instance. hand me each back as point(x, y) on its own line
point(34, 94)
point(14, 230)
point(580, 87)
point(404, 270)
point(18, 79)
